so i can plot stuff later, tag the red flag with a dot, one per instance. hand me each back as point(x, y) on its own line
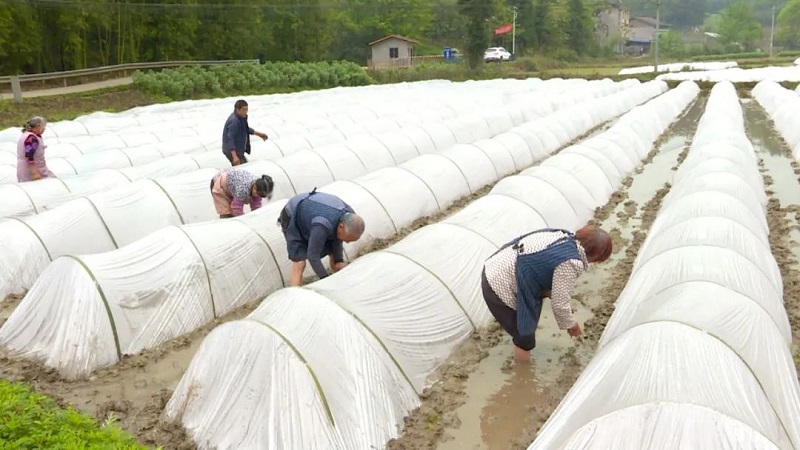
point(503, 29)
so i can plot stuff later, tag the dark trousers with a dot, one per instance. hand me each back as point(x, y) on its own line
point(229, 155)
point(505, 316)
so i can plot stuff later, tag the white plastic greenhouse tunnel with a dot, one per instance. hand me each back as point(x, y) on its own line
point(737, 75)
point(100, 307)
point(783, 107)
point(295, 112)
point(128, 147)
point(338, 363)
point(696, 353)
point(436, 124)
point(30, 243)
point(81, 156)
point(281, 116)
point(678, 67)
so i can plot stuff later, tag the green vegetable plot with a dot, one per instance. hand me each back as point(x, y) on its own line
point(33, 421)
point(185, 82)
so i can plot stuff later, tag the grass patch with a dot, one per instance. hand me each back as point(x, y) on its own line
point(459, 71)
point(587, 71)
point(33, 421)
point(70, 106)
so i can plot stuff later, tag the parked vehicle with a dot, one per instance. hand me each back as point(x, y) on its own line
point(496, 54)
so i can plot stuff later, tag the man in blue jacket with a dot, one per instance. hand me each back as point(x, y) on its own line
point(236, 134)
point(315, 224)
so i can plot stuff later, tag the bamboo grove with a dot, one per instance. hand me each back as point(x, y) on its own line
point(50, 35)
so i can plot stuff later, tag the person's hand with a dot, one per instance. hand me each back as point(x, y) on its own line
point(339, 266)
point(263, 136)
point(575, 331)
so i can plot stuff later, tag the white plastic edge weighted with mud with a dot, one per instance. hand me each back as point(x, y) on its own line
point(783, 107)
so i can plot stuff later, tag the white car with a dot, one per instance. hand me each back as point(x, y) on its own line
point(496, 54)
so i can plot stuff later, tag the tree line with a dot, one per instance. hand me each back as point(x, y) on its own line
point(50, 35)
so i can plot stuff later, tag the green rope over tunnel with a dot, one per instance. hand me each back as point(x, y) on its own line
point(308, 367)
point(105, 303)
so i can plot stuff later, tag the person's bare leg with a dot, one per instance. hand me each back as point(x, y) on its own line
point(297, 273)
point(521, 355)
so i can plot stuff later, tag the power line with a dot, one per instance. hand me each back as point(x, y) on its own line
point(84, 5)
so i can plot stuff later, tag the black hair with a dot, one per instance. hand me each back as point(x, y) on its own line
point(239, 104)
point(264, 186)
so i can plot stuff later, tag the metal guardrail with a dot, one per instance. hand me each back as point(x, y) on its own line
point(16, 80)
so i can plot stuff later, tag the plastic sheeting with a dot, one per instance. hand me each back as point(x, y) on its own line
point(24, 199)
point(102, 222)
point(678, 67)
point(737, 75)
point(696, 352)
point(127, 146)
point(671, 425)
point(783, 107)
point(179, 278)
point(283, 111)
point(402, 140)
point(412, 300)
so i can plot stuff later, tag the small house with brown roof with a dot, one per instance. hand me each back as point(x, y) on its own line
point(392, 51)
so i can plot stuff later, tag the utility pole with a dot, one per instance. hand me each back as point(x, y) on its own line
point(772, 31)
point(658, 23)
point(514, 32)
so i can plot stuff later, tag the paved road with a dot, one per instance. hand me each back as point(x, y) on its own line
point(71, 89)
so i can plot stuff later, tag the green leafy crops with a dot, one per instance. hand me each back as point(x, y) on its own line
point(33, 421)
point(187, 82)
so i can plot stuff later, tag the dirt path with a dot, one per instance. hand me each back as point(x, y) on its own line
point(484, 400)
point(781, 174)
point(86, 87)
point(135, 391)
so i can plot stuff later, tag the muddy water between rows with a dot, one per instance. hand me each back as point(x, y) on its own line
point(501, 394)
point(781, 178)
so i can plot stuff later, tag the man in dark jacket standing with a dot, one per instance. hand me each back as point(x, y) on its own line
point(236, 134)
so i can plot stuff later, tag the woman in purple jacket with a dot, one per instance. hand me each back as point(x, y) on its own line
point(31, 165)
point(232, 188)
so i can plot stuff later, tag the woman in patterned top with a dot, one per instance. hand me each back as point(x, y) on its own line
point(231, 189)
point(543, 263)
point(31, 165)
